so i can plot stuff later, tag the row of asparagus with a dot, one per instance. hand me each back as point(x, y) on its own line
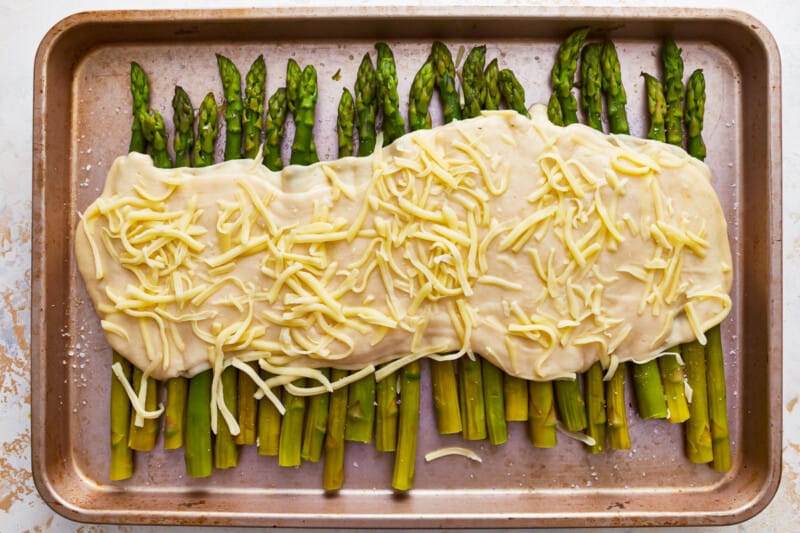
point(472, 397)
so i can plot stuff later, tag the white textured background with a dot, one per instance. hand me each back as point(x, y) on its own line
point(23, 24)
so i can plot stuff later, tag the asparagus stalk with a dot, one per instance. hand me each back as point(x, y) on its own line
point(554, 114)
point(386, 419)
point(344, 124)
point(143, 439)
point(269, 424)
point(673, 91)
point(366, 90)
point(613, 89)
point(360, 410)
point(674, 390)
point(699, 448)
point(657, 107)
point(226, 452)
point(207, 131)
point(471, 399)
point(273, 127)
point(289, 448)
point(649, 390)
point(516, 398)
point(232, 88)
point(175, 413)
point(695, 110)
point(316, 425)
point(493, 94)
point(541, 414)
point(571, 405)
point(183, 120)
point(496, 425)
point(405, 457)
point(386, 74)
point(473, 82)
point(304, 150)
point(596, 408)
point(254, 94)
point(140, 90)
point(618, 436)
point(121, 466)
point(197, 452)
point(513, 92)
point(445, 77)
point(155, 133)
point(247, 407)
point(333, 465)
point(419, 97)
point(591, 86)
point(563, 74)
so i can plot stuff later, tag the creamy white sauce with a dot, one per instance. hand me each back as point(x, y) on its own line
point(600, 245)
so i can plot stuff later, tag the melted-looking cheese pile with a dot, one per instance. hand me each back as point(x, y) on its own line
point(541, 248)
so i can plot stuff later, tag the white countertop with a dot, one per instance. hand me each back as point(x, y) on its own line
point(23, 24)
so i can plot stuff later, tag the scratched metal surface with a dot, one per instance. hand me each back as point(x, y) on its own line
point(16, 388)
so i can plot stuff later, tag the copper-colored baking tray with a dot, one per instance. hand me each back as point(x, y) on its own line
point(81, 122)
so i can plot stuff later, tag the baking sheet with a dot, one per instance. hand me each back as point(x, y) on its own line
point(82, 121)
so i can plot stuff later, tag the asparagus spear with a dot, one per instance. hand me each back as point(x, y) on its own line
point(471, 399)
point(673, 91)
point(563, 74)
point(175, 413)
point(473, 82)
point(405, 457)
point(699, 448)
point(596, 408)
point(316, 425)
point(695, 109)
point(571, 406)
point(496, 425)
point(140, 90)
point(226, 452)
point(493, 95)
point(366, 106)
point(445, 77)
point(289, 448)
point(333, 466)
point(513, 92)
point(591, 82)
point(143, 439)
point(386, 419)
point(613, 89)
point(344, 124)
point(649, 390)
point(618, 436)
point(247, 407)
point(542, 414)
point(516, 398)
point(657, 107)
point(183, 120)
point(197, 452)
point(304, 150)
point(269, 424)
point(121, 466)
point(207, 131)
point(386, 74)
point(232, 87)
point(273, 128)
point(554, 114)
point(155, 133)
point(419, 97)
point(360, 410)
point(254, 95)
point(674, 390)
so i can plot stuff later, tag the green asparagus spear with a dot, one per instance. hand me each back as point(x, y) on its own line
point(140, 90)
point(541, 414)
point(232, 88)
point(316, 424)
point(289, 448)
point(143, 439)
point(513, 92)
point(273, 128)
point(496, 425)
point(254, 94)
point(657, 107)
point(493, 95)
point(471, 399)
point(269, 424)
point(516, 398)
point(419, 97)
point(613, 89)
point(304, 150)
point(405, 457)
point(183, 119)
point(618, 436)
point(247, 407)
point(445, 76)
point(294, 76)
point(226, 452)
point(207, 131)
point(563, 74)
point(197, 452)
point(673, 91)
point(591, 86)
point(554, 114)
point(699, 447)
point(366, 90)
point(333, 465)
point(596, 408)
point(121, 455)
point(360, 410)
point(649, 390)
point(345, 124)
point(695, 109)
point(155, 133)
point(717, 402)
point(386, 417)
point(386, 74)
point(571, 405)
point(175, 412)
point(473, 82)
point(674, 393)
